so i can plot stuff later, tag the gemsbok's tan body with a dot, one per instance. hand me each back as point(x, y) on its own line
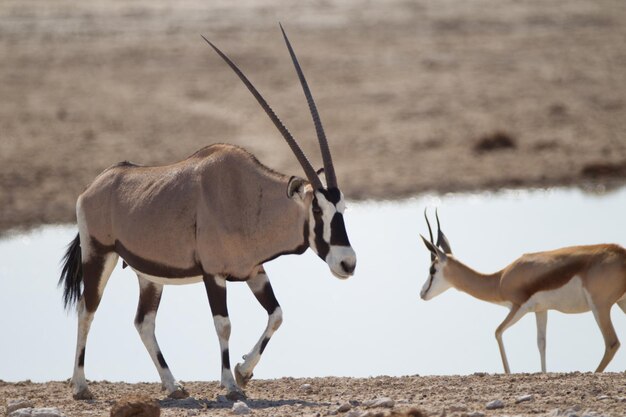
point(572, 280)
point(214, 217)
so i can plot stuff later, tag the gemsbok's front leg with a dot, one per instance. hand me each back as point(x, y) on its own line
point(262, 290)
point(149, 300)
point(542, 323)
point(216, 292)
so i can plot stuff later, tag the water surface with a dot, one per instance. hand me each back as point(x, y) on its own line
point(372, 324)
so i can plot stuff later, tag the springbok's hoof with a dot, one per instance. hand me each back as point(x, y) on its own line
point(83, 394)
point(242, 380)
point(236, 395)
point(179, 393)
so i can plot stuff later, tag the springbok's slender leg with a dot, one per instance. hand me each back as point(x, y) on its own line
point(149, 300)
point(514, 315)
point(542, 322)
point(216, 291)
point(262, 290)
point(602, 315)
point(97, 269)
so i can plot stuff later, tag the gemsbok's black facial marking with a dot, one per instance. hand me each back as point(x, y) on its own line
point(320, 244)
point(338, 234)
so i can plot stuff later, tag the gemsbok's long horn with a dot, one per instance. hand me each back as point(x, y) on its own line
point(329, 169)
point(304, 162)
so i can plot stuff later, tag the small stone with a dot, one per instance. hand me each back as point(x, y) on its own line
point(385, 402)
point(524, 398)
point(354, 413)
point(137, 405)
point(36, 412)
point(494, 405)
point(476, 414)
point(306, 387)
point(603, 397)
point(457, 408)
point(13, 405)
point(241, 408)
point(345, 407)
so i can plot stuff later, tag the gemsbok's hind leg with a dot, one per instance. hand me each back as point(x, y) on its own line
point(262, 290)
point(216, 292)
point(149, 300)
point(602, 315)
point(96, 272)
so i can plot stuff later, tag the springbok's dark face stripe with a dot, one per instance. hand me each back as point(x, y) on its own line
point(431, 278)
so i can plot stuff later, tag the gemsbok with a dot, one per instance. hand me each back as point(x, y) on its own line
point(217, 216)
point(570, 280)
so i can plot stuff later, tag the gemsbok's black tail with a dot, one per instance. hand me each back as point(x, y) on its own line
point(72, 273)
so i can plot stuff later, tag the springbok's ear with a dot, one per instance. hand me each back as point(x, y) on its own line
point(296, 186)
point(441, 255)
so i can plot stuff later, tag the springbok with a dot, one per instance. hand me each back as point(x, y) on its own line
point(217, 216)
point(570, 280)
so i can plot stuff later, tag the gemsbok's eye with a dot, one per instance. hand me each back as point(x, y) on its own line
point(317, 210)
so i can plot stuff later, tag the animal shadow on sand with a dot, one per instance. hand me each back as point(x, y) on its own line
point(222, 402)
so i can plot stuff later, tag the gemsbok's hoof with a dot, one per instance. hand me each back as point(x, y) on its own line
point(83, 394)
point(242, 380)
point(179, 393)
point(236, 395)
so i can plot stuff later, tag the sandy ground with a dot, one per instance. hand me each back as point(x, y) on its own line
point(406, 89)
point(574, 394)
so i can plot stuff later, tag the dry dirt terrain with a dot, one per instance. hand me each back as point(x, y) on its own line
point(413, 94)
point(555, 395)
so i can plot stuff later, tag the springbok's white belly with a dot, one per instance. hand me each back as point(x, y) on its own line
point(570, 298)
point(169, 281)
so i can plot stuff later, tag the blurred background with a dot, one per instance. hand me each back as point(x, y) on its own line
point(415, 96)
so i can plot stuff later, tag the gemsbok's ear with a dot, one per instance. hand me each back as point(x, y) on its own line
point(296, 186)
point(441, 255)
point(321, 173)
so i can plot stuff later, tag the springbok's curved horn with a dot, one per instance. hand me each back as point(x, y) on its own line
point(304, 162)
point(329, 169)
point(430, 232)
point(442, 240)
